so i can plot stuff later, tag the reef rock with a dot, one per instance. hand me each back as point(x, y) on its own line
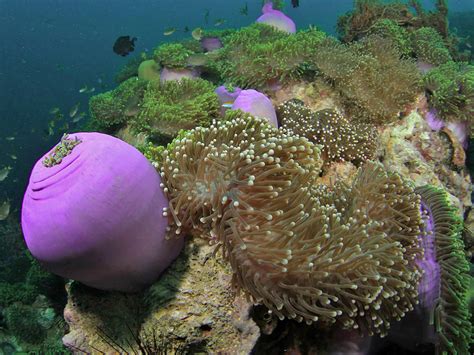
point(191, 308)
point(412, 149)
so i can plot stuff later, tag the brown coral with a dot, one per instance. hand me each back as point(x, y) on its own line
point(340, 139)
point(313, 254)
point(375, 82)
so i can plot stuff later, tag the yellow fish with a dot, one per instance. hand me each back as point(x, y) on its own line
point(169, 31)
point(197, 33)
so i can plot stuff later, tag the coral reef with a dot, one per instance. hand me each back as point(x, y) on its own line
point(355, 24)
point(370, 75)
point(340, 139)
point(300, 220)
point(287, 242)
point(176, 105)
point(446, 295)
point(428, 46)
point(113, 108)
point(450, 89)
point(258, 55)
point(190, 308)
point(149, 71)
point(399, 36)
point(172, 55)
point(130, 69)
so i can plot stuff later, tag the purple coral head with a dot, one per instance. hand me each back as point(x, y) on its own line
point(257, 104)
point(227, 96)
point(210, 44)
point(433, 120)
point(276, 18)
point(96, 215)
point(177, 74)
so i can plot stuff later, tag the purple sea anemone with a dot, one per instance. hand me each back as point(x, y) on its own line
point(433, 120)
point(177, 74)
point(93, 212)
point(210, 44)
point(227, 96)
point(257, 104)
point(276, 18)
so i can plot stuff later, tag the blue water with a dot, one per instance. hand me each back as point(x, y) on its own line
point(49, 49)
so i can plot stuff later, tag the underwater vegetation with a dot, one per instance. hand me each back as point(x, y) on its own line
point(111, 109)
point(370, 75)
point(355, 24)
point(176, 105)
point(259, 55)
point(450, 90)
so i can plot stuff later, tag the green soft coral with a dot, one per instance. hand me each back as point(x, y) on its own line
point(113, 108)
point(450, 90)
point(451, 313)
point(389, 29)
point(375, 83)
point(176, 105)
point(428, 46)
point(172, 55)
point(259, 55)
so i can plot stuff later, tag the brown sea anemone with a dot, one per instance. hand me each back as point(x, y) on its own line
point(340, 139)
point(308, 253)
point(207, 169)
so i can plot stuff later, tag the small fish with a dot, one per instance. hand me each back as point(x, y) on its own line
point(219, 22)
point(197, 33)
point(10, 139)
point(186, 29)
point(50, 131)
point(468, 45)
point(74, 110)
point(91, 90)
point(83, 89)
point(79, 117)
point(4, 172)
point(295, 3)
point(4, 210)
point(169, 31)
point(197, 60)
point(14, 157)
point(206, 16)
point(244, 10)
point(54, 110)
point(227, 105)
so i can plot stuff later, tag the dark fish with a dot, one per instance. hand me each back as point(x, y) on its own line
point(295, 3)
point(244, 10)
point(124, 45)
